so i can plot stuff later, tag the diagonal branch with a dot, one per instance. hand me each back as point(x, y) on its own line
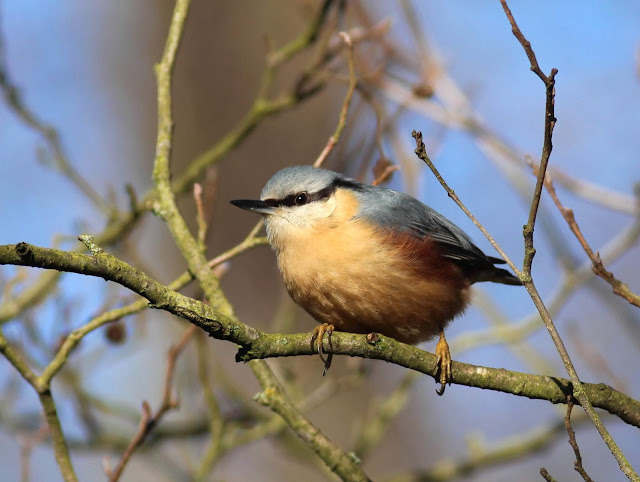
point(273, 396)
point(149, 421)
point(619, 288)
point(421, 152)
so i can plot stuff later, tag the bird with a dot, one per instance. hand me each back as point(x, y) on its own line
point(367, 259)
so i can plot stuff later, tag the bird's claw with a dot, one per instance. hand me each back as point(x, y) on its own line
point(443, 363)
point(317, 338)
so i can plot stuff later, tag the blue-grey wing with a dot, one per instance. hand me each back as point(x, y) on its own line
point(402, 213)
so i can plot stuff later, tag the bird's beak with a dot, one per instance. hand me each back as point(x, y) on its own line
point(254, 206)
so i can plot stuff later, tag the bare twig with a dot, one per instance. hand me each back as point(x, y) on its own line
point(421, 152)
point(150, 420)
point(549, 124)
point(526, 45)
point(333, 140)
point(619, 288)
point(383, 170)
point(546, 476)
point(574, 444)
point(200, 216)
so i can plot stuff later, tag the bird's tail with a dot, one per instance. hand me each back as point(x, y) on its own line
point(496, 275)
point(489, 272)
point(503, 276)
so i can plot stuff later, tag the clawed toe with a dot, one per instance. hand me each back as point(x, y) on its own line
point(317, 338)
point(443, 363)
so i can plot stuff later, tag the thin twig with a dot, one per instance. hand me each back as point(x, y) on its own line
point(574, 444)
point(421, 152)
point(549, 124)
point(149, 420)
point(200, 216)
point(383, 170)
point(619, 288)
point(333, 140)
point(526, 45)
point(546, 476)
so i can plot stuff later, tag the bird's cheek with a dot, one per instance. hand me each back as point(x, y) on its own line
point(277, 231)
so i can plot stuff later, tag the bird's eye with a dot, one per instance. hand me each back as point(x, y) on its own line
point(301, 199)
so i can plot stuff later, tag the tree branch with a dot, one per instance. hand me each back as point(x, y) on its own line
point(346, 466)
point(60, 448)
point(261, 109)
point(421, 152)
point(149, 421)
point(547, 146)
point(619, 288)
point(574, 445)
point(255, 344)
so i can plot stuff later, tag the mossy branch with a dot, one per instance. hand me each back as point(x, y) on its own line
point(258, 345)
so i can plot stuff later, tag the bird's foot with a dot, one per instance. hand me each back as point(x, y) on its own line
point(443, 363)
point(317, 338)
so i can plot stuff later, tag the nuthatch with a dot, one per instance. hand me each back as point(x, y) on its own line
point(365, 259)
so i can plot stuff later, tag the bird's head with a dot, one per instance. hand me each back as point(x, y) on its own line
point(297, 200)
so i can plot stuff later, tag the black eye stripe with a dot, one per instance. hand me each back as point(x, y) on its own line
point(290, 200)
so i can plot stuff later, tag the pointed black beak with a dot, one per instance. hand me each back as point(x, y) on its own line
point(254, 206)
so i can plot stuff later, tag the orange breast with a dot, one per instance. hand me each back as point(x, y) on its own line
point(346, 273)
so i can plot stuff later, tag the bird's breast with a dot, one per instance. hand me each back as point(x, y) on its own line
point(362, 279)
